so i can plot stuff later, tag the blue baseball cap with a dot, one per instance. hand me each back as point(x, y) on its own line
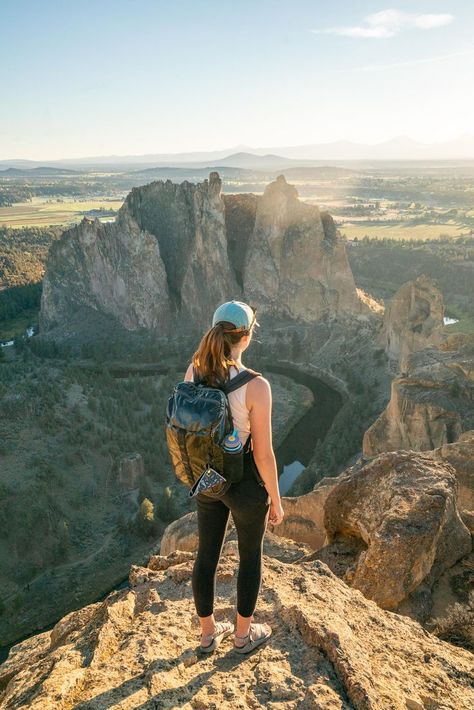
point(240, 314)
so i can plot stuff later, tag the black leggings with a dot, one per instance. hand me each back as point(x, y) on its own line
point(249, 504)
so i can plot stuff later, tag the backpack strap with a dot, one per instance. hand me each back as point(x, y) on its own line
point(239, 380)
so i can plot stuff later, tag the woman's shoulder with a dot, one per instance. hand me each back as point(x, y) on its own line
point(259, 385)
point(259, 394)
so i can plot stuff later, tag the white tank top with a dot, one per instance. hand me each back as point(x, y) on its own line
point(240, 413)
point(238, 408)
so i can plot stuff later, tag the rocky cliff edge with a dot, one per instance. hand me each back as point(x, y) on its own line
point(331, 648)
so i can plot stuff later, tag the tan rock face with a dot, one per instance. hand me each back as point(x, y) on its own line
point(412, 420)
point(165, 255)
point(413, 319)
point(178, 251)
point(430, 406)
point(330, 648)
point(304, 515)
point(296, 262)
point(181, 534)
point(94, 267)
point(402, 507)
point(460, 456)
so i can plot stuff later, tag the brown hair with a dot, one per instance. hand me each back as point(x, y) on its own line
point(212, 359)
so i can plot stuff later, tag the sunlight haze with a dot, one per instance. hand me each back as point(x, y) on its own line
point(89, 79)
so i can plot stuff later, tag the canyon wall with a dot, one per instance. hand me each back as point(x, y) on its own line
point(296, 262)
point(175, 252)
point(431, 405)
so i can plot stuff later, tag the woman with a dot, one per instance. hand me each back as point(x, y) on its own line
point(217, 359)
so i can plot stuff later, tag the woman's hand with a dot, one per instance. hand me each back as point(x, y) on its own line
point(276, 513)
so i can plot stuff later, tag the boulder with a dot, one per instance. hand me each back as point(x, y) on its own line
point(460, 456)
point(181, 534)
point(401, 509)
point(304, 515)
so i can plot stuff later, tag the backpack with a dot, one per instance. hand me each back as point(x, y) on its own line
point(198, 419)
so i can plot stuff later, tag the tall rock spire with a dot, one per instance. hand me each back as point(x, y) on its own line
point(296, 264)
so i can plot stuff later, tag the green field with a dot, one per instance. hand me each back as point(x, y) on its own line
point(402, 230)
point(42, 213)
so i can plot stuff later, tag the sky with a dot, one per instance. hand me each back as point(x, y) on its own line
point(128, 77)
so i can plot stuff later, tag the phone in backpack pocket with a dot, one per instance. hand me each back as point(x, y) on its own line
point(207, 480)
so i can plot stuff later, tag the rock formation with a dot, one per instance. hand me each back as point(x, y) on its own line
point(431, 405)
point(188, 221)
point(400, 509)
point(177, 251)
point(113, 270)
point(240, 213)
point(460, 456)
point(331, 648)
point(413, 319)
point(131, 469)
point(166, 254)
point(296, 263)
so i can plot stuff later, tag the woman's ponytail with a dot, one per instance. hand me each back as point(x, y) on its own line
point(213, 356)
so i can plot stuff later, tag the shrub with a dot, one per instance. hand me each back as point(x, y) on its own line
point(457, 627)
point(145, 520)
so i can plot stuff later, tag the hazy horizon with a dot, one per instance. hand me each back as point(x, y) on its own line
point(288, 152)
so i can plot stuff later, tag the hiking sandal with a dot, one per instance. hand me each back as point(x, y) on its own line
point(223, 629)
point(257, 635)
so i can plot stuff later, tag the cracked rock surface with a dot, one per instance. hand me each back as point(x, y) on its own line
point(331, 648)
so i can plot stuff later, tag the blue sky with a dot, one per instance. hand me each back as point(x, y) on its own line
point(142, 76)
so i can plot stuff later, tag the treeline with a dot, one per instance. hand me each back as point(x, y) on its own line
point(14, 301)
point(10, 195)
point(23, 254)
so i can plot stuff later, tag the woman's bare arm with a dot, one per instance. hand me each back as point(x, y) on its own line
point(259, 404)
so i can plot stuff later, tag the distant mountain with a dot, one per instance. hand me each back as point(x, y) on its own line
point(166, 172)
point(400, 148)
point(251, 160)
point(40, 171)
